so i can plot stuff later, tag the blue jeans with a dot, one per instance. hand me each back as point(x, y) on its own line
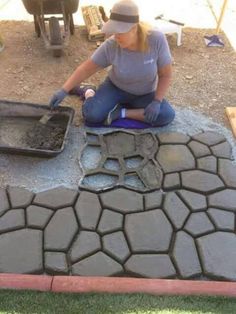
point(95, 109)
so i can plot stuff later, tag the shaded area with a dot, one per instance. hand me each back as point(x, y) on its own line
point(50, 303)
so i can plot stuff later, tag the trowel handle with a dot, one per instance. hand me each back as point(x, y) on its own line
point(176, 22)
point(160, 17)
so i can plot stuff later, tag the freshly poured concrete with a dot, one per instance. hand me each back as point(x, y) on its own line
point(184, 227)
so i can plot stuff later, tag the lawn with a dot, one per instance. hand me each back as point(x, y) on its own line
point(22, 302)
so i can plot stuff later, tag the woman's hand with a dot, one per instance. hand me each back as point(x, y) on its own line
point(152, 111)
point(57, 98)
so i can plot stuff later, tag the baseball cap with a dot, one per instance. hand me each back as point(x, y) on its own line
point(124, 15)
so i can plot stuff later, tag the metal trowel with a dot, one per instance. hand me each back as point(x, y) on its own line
point(46, 117)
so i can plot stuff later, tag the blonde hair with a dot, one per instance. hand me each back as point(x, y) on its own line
point(144, 30)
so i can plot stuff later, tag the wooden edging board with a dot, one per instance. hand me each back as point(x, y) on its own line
point(79, 284)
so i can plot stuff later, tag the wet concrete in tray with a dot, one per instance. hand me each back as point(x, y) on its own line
point(49, 136)
point(26, 133)
point(148, 205)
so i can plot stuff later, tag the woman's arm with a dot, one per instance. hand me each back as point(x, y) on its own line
point(164, 79)
point(84, 71)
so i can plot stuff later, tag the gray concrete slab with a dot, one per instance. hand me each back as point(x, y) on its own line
point(184, 227)
point(151, 241)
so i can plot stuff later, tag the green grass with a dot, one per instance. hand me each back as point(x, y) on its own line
point(22, 302)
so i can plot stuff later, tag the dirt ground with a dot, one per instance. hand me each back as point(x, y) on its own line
point(203, 78)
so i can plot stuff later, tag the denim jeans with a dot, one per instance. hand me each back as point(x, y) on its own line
point(95, 109)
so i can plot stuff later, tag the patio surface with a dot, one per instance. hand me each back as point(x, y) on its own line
point(184, 228)
point(161, 206)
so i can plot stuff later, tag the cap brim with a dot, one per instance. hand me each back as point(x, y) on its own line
point(113, 27)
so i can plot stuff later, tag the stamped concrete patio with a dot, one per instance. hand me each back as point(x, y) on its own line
point(163, 206)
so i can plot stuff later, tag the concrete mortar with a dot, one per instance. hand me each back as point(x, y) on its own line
point(39, 174)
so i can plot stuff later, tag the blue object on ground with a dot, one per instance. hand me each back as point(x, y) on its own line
point(122, 123)
point(213, 41)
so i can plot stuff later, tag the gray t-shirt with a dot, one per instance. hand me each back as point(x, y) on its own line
point(133, 71)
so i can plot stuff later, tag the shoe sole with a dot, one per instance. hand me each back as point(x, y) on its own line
point(108, 120)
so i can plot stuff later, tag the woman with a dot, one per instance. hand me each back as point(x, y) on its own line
point(139, 77)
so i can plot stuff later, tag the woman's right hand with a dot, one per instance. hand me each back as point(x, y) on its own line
point(57, 98)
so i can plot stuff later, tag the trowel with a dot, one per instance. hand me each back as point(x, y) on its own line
point(46, 117)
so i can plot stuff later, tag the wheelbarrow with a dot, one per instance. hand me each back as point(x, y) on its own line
point(51, 33)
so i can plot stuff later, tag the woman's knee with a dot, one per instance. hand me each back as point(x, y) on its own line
point(166, 115)
point(92, 111)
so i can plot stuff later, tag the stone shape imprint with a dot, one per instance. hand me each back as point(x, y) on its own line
point(185, 231)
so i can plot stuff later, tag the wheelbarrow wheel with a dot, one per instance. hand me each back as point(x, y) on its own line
point(55, 35)
point(72, 26)
point(36, 26)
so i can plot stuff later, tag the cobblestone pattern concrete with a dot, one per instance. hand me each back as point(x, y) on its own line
point(185, 230)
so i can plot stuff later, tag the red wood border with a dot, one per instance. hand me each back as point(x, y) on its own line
point(142, 285)
point(25, 282)
point(77, 284)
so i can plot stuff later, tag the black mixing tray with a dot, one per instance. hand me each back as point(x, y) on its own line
point(22, 133)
